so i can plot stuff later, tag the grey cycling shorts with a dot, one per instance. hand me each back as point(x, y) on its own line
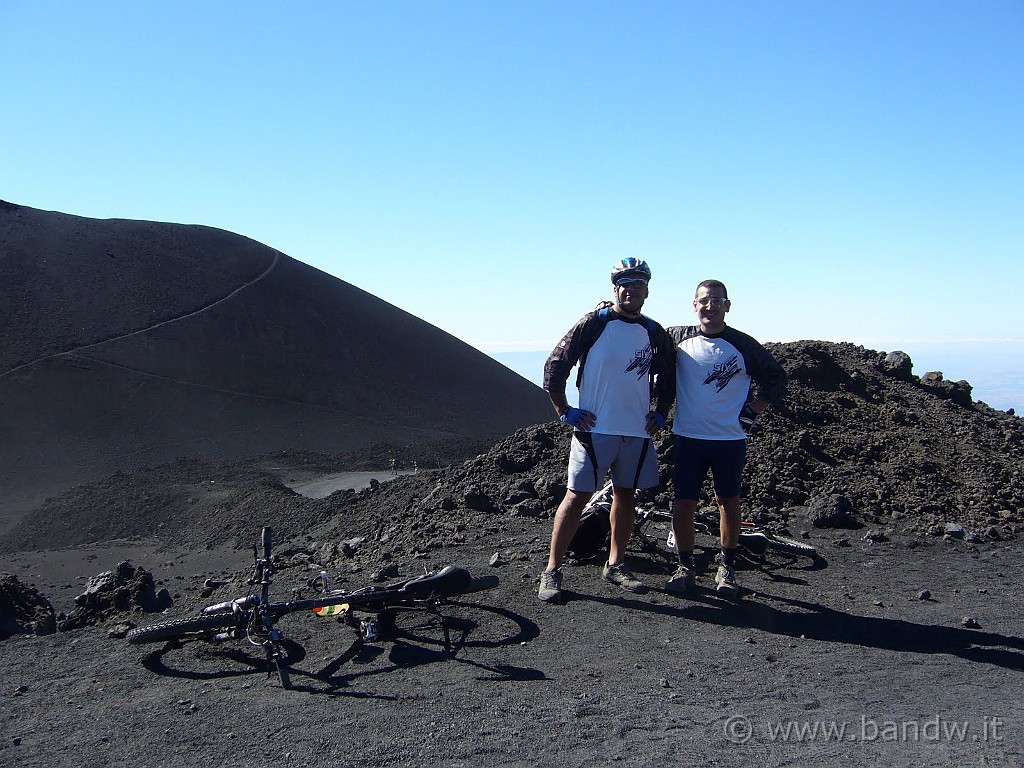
point(632, 460)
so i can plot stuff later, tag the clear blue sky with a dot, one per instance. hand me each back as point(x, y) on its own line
point(854, 171)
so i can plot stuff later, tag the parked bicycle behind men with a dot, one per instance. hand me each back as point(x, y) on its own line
point(624, 358)
point(715, 410)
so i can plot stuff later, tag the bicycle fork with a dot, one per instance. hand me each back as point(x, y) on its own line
point(276, 656)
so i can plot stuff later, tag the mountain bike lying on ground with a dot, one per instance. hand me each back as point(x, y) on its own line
point(755, 540)
point(254, 617)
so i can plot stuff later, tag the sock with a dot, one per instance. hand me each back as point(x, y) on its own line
point(729, 557)
point(685, 559)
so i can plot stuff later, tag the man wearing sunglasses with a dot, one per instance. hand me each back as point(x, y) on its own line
point(624, 358)
point(715, 408)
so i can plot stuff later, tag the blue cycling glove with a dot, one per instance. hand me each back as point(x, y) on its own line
point(658, 419)
point(573, 416)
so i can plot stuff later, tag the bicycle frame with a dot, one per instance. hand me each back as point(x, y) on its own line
point(754, 539)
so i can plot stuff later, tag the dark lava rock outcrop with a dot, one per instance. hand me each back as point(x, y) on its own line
point(124, 589)
point(23, 609)
point(856, 444)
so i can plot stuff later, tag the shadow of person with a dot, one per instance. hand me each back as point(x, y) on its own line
point(818, 622)
point(777, 566)
point(803, 619)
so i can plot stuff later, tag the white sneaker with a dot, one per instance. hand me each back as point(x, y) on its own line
point(550, 590)
point(725, 581)
point(681, 582)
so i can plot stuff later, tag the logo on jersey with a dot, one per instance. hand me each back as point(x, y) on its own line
point(724, 373)
point(641, 363)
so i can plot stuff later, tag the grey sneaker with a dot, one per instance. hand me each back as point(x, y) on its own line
point(725, 581)
point(681, 582)
point(550, 586)
point(623, 577)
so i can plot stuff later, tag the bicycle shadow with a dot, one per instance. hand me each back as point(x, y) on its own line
point(438, 638)
point(441, 638)
point(813, 621)
point(248, 663)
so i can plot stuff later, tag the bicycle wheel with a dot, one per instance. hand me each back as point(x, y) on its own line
point(180, 628)
point(786, 546)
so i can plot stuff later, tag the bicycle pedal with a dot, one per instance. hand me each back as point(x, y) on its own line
point(368, 630)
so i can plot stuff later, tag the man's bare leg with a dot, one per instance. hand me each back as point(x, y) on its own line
point(567, 520)
point(729, 513)
point(623, 514)
point(683, 512)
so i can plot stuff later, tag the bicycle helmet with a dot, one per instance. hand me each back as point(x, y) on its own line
point(630, 267)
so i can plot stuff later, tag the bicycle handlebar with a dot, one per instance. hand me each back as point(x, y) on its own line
point(266, 540)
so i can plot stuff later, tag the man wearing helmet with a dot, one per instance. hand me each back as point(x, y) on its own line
point(623, 358)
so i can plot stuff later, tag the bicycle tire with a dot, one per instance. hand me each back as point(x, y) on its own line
point(787, 546)
point(180, 628)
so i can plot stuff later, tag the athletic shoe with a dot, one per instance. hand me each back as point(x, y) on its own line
point(623, 577)
point(550, 586)
point(725, 581)
point(681, 582)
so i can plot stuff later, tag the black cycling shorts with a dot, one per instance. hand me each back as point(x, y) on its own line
point(694, 458)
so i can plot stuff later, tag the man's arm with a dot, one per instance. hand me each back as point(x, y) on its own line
point(772, 382)
point(664, 368)
point(766, 373)
point(560, 363)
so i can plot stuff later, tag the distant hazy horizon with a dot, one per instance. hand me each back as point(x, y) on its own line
point(995, 371)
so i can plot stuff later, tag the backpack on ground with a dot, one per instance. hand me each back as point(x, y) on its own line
point(594, 532)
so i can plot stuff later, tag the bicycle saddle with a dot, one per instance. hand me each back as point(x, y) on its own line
point(449, 579)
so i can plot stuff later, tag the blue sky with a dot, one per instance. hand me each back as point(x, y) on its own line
point(854, 171)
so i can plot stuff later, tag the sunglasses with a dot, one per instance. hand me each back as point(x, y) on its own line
point(711, 301)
